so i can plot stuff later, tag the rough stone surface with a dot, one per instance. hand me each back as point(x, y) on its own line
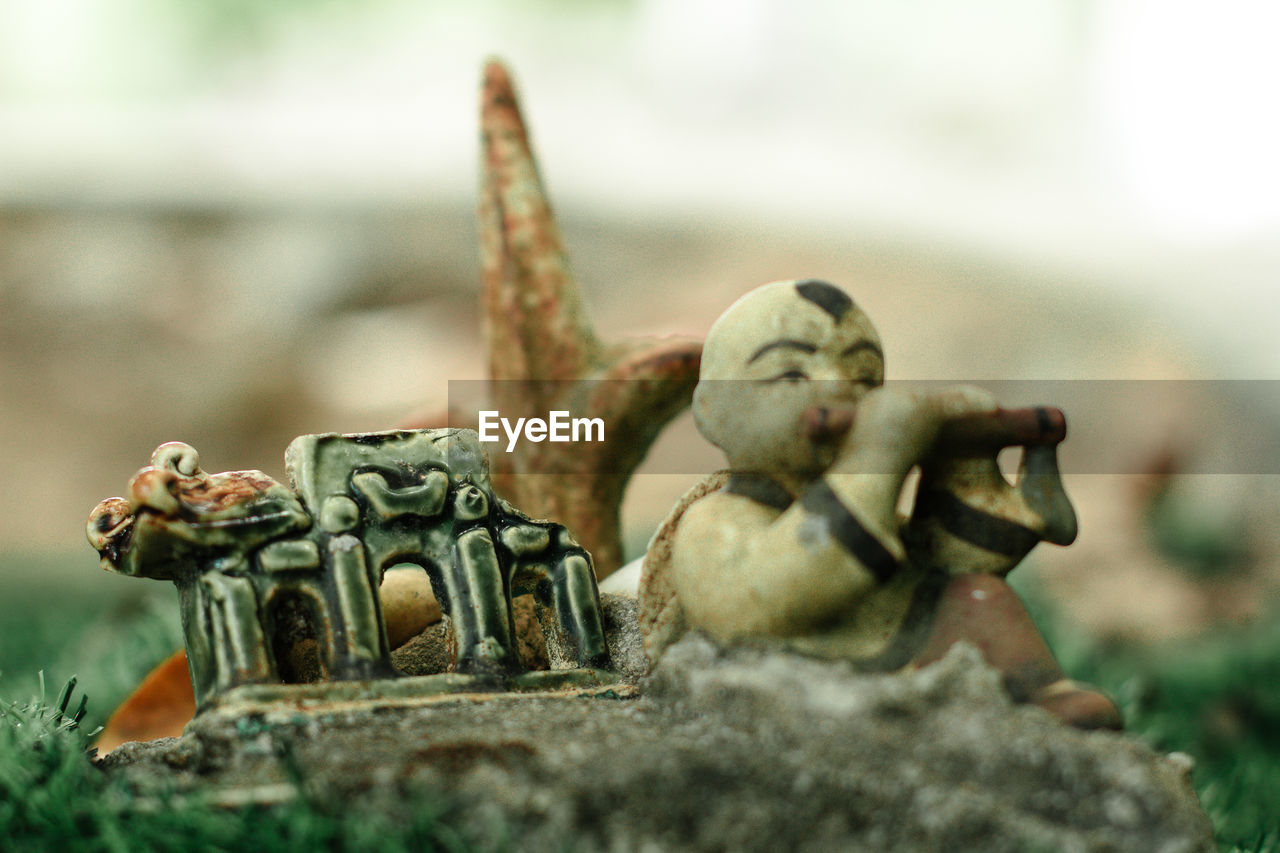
point(745, 749)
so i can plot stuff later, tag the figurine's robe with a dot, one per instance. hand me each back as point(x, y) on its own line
point(826, 605)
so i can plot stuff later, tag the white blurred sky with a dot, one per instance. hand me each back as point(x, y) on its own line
point(1134, 144)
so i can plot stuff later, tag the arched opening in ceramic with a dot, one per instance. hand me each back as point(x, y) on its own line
point(298, 636)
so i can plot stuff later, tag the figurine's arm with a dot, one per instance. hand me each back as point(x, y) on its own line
point(893, 431)
point(741, 570)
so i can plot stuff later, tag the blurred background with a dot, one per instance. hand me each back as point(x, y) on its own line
point(230, 223)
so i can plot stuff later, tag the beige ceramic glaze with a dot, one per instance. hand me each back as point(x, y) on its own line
point(801, 542)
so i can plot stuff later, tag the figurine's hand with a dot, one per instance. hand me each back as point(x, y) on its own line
point(894, 427)
point(960, 401)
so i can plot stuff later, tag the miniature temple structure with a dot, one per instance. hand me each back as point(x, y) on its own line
point(279, 585)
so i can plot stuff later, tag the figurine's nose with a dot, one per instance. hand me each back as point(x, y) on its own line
point(822, 370)
point(835, 384)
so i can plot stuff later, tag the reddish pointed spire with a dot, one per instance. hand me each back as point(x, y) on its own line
point(535, 329)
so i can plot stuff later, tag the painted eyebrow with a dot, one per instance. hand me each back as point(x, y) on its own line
point(864, 345)
point(784, 343)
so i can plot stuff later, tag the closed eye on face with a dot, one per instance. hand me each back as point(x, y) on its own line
point(866, 360)
point(783, 344)
point(864, 346)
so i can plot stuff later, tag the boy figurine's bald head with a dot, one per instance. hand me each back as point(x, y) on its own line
point(780, 351)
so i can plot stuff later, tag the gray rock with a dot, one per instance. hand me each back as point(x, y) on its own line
point(620, 630)
point(746, 749)
point(935, 759)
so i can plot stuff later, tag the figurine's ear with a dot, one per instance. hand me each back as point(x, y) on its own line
point(705, 409)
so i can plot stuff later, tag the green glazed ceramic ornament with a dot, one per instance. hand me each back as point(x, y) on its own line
point(280, 584)
point(801, 543)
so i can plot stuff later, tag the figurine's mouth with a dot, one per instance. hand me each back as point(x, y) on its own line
point(826, 424)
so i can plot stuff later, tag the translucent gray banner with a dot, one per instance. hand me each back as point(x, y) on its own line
point(1112, 426)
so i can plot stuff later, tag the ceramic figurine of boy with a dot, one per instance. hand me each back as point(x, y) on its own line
point(800, 543)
